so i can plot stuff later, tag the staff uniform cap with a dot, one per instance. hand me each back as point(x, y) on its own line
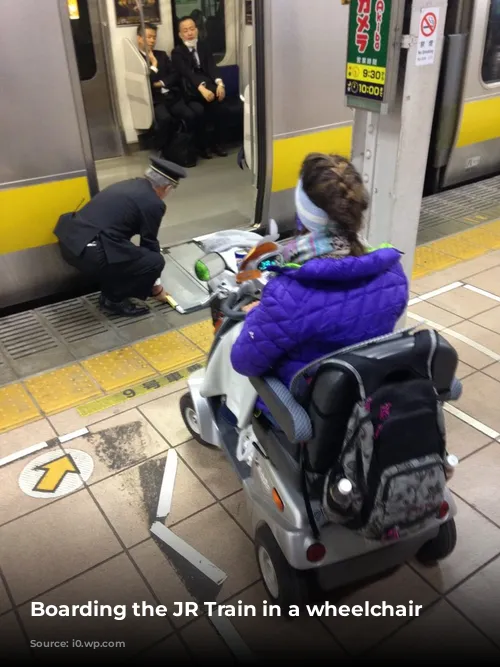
point(169, 170)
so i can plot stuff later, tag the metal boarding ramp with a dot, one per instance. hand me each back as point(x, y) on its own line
point(187, 293)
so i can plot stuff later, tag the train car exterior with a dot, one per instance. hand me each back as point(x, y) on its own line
point(47, 164)
point(290, 56)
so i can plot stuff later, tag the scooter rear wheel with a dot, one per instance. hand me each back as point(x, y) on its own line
point(441, 546)
point(190, 418)
point(285, 585)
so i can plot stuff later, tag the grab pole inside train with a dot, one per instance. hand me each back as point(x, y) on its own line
point(393, 62)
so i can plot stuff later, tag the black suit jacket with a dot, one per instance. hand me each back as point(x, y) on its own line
point(170, 77)
point(115, 215)
point(185, 63)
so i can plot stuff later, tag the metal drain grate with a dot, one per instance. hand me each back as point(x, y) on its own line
point(24, 335)
point(118, 320)
point(471, 204)
point(73, 321)
point(6, 373)
point(161, 308)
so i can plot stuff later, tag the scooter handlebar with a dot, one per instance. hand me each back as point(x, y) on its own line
point(227, 307)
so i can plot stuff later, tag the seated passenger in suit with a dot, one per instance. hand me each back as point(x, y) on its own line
point(204, 89)
point(166, 88)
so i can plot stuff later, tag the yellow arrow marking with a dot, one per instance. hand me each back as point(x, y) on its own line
point(55, 472)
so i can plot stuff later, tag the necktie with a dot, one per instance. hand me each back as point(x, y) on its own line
point(194, 53)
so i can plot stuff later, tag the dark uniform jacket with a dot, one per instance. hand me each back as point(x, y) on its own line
point(185, 63)
point(170, 77)
point(115, 215)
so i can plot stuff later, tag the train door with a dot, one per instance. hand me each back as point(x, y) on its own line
point(466, 136)
point(89, 28)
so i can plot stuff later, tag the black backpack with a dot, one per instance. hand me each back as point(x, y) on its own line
point(391, 468)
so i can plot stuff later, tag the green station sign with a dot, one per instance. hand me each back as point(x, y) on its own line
point(367, 49)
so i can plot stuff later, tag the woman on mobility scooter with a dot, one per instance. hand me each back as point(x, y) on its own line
point(342, 292)
point(369, 423)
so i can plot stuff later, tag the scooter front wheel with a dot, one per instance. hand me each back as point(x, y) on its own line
point(190, 418)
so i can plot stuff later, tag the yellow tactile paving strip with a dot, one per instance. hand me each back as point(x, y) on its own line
point(16, 407)
point(63, 388)
point(200, 334)
point(169, 351)
point(119, 368)
point(446, 252)
point(176, 351)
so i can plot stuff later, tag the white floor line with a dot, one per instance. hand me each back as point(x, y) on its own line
point(167, 485)
point(472, 343)
point(41, 445)
point(424, 320)
point(72, 436)
point(194, 557)
point(468, 341)
point(228, 632)
point(482, 292)
point(22, 453)
point(436, 292)
point(479, 426)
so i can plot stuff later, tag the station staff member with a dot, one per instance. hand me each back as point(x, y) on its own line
point(96, 240)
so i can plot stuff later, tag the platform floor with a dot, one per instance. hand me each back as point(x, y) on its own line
point(69, 536)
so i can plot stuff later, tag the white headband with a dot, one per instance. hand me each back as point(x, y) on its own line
point(311, 216)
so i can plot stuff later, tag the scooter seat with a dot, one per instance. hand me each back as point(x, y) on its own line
point(321, 417)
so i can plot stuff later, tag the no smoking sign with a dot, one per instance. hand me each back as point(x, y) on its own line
point(428, 24)
point(427, 33)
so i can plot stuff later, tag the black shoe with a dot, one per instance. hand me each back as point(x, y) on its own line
point(218, 150)
point(125, 308)
point(205, 154)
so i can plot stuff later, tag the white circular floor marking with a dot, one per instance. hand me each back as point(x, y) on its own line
point(56, 473)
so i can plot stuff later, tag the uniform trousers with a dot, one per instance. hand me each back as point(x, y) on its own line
point(123, 280)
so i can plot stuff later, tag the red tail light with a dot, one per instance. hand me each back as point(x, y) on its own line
point(443, 510)
point(316, 552)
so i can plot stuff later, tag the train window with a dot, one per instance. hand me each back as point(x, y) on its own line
point(491, 58)
point(82, 38)
point(210, 18)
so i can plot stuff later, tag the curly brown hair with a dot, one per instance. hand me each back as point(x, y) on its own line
point(333, 184)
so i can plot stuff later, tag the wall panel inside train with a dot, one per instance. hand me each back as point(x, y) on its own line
point(46, 166)
point(307, 95)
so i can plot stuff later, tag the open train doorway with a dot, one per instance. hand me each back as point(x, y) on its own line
point(219, 193)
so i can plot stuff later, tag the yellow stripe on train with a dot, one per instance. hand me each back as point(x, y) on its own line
point(480, 122)
point(29, 213)
point(289, 153)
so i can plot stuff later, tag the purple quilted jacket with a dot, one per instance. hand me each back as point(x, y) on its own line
point(321, 307)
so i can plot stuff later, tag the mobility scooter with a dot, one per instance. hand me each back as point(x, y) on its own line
point(331, 503)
